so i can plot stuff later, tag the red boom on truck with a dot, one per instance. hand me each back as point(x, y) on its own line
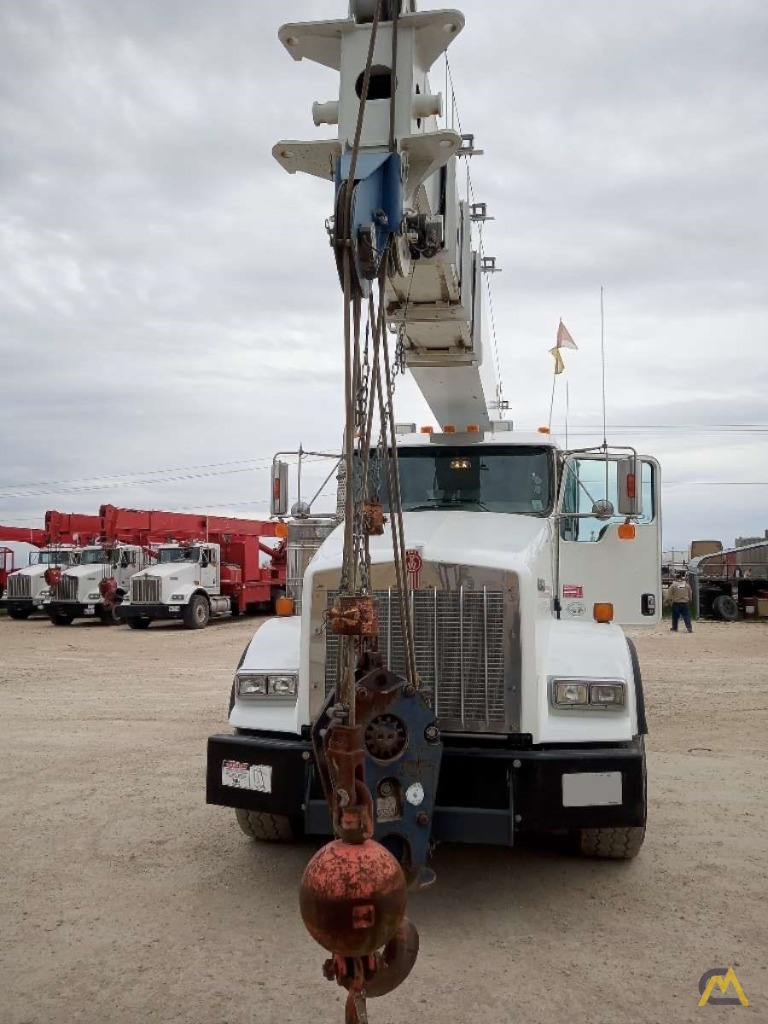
point(206, 565)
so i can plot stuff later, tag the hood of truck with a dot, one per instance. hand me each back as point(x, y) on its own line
point(493, 539)
point(92, 573)
point(184, 572)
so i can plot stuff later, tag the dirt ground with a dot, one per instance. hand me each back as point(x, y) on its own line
point(124, 899)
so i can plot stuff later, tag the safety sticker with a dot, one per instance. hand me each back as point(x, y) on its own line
point(261, 778)
point(236, 774)
point(573, 590)
point(241, 775)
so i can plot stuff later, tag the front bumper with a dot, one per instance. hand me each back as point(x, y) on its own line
point(149, 611)
point(485, 794)
point(77, 609)
point(20, 604)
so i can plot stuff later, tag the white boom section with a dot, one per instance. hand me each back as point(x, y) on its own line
point(433, 293)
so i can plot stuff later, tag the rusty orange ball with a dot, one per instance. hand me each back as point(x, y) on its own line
point(352, 897)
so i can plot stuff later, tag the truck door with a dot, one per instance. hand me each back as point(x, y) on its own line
point(209, 569)
point(600, 557)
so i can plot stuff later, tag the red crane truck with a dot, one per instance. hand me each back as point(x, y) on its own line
point(206, 566)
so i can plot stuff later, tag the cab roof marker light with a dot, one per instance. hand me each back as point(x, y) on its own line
point(449, 428)
point(544, 430)
point(473, 428)
point(427, 430)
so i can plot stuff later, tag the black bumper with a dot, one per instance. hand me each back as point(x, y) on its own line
point(19, 604)
point(148, 611)
point(485, 795)
point(76, 609)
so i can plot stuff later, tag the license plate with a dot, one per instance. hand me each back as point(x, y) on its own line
point(90, 610)
point(174, 607)
point(592, 789)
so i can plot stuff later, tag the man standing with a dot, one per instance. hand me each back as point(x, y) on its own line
point(680, 595)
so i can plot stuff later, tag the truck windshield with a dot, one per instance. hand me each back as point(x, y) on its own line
point(97, 556)
point(179, 555)
point(51, 558)
point(515, 479)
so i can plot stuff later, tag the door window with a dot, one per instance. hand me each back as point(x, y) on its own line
point(588, 483)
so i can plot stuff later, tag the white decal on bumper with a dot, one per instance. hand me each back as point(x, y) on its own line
point(592, 789)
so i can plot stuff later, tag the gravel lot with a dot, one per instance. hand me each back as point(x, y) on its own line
point(124, 899)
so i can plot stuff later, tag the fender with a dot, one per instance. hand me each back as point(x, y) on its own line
point(642, 722)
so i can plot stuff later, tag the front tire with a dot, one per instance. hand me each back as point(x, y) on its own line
point(611, 843)
point(142, 623)
point(267, 828)
point(19, 613)
point(197, 613)
point(108, 617)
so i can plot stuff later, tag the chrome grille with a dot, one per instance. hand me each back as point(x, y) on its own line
point(146, 588)
point(459, 640)
point(65, 589)
point(19, 586)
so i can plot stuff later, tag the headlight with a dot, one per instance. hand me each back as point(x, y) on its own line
point(177, 597)
point(251, 685)
point(93, 597)
point(282, 686)
point(585, 694)
point(606, 694)
point(256, 684)
point(570, 694)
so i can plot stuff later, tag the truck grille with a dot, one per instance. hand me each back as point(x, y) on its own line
point(65, 589)
point(146, 589)
point(19, 586)
point(459, 640)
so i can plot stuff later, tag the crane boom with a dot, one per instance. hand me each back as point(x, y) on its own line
point(406, 212)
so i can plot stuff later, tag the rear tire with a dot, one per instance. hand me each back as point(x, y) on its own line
point(139, 623)
point(611, 843)
point(234, 607)
point(19, 613)
point(197, 613)
point(724, 607)
point(267, 828)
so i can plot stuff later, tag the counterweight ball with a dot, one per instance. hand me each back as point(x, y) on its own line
point(352, 897)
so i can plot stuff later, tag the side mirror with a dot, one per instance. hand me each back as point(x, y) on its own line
point(603, 509)
point(279, 497)
point(630, 497)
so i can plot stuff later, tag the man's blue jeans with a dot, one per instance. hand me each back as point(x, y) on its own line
point(680, 611)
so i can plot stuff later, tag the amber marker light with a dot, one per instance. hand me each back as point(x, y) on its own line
point(544, 430)
point(603, 611)
point(281, 530)
point(449, 428)
point(627, 531)
point(473, 428)
point(427, 430)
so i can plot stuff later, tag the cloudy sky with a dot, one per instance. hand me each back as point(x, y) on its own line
point(169, 309)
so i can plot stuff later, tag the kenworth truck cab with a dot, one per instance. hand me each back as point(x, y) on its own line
point(522, 561)
point(27, 587)
point(185, 584)
point(95, 586)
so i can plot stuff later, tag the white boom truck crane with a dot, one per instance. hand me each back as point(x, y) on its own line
point(522, 559)
point(95, 586)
